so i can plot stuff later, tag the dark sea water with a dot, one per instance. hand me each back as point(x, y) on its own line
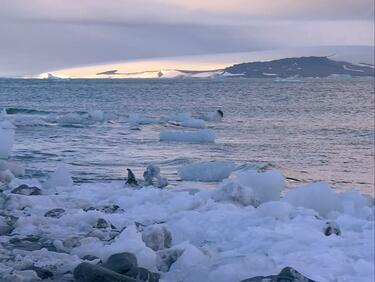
point(315, 129)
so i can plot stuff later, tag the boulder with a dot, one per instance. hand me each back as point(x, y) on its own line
point(330, 228)
point(86, 272)
point(126, 264)
point(23, 189)
point(287, 274)
point(41, 272)
point(102, 224)
point(112, 209)
point(166, 258)
point(56, 213)
point(90, 258)
point(31, 243)
point(142, 274)
point(121, 263)
point(5, 226)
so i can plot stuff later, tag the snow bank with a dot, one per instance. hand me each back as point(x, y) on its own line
point(207, 171)
point(6, 138)
point(220, 241)
point(250, 188)
point(322, 198)
point(200, 136)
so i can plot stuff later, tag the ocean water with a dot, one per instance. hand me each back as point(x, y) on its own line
point(311, 130)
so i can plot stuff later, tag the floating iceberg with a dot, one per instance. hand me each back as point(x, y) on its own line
point(250, 188)
point(200, 136)
point(207, 171)
point(320, 197)
point(193, 123)
point(61, 177)
point(186, 120)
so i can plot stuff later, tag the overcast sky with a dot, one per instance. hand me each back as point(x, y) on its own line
point(42, 35)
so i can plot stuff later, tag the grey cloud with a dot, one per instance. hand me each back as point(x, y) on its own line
point(41, 35)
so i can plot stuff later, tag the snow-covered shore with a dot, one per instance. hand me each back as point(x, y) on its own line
point(249, 224)
point(239, 229)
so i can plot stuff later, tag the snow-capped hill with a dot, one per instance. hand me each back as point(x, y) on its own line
point(299, 67)
point(164, 73)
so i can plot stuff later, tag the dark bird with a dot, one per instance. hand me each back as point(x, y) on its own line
point(131, 178)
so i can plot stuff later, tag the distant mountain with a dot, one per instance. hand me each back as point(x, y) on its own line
point(291, 68)
point(299, 67)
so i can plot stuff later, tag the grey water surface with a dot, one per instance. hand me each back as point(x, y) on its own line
point(313, 129)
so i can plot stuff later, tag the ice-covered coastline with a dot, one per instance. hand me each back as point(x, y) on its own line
point(249, 224)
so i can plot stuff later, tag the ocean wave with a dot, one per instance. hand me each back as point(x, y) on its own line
point(15, 111)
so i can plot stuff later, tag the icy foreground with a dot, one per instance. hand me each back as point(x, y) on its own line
point(239, 229)
point(6, 138)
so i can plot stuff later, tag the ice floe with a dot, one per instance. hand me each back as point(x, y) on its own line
point(200, 136)
point(207, 171)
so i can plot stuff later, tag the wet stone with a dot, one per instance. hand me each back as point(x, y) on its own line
point(56, 213)
point(90, 258)
point(330, 228)
point(121, 263)
point(166, 258)
point(287, 274)
point(32, 243)
point(102, 224)
point(41, 272)
point(26, 190)
point(86, 272)
point(112, 209)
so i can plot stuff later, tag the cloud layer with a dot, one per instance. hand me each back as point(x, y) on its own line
point(42, 35)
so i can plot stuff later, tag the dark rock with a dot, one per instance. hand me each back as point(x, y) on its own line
point(41, 272)
point(57, 213)
point(5, 226)
point(29, 243)
point(126, 264)
point(90, 257)
point(157, 237)
point(90, 209)
point(331, 228)
point(131, 178)
point(121, 263)
point(86, 272)
point(111, 209)
point(287, 274)
point(32, 243)
point(302, 67)
point(102, 224)
point(166, 258)
point(26, 190)
point(142, 274)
